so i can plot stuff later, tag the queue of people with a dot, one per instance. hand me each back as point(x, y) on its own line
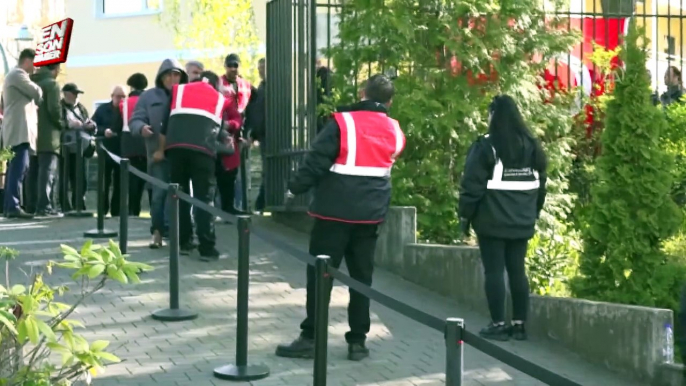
point(42, 121)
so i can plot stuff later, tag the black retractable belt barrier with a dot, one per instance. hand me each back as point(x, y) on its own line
point(124, 204)
point(174, 313)
point(77, 192)
point(454, 350)
point(321, 319)
point(241, 371)
point(100, 232)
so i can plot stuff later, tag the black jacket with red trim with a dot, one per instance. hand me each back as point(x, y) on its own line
point(338, 197)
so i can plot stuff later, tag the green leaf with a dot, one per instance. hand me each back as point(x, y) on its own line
point(67, 359)
point(108, 357)
point(116, 274)
point(46, 330)
point(86, 247)
point(8, 321)
point(80, 272)
point(68, 251)
point(99, 345)
point(17, 290)
point(31, 329)
point(22, 332)
point(58, 348)
point(96, 270)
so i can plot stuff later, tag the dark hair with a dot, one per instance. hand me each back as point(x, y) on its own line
point(379, 89)
point(53, 66)
point(137, 81)
point(212, 79)
point(28, 53)
point(508, 134)
point(262, 60)
point(676, 71)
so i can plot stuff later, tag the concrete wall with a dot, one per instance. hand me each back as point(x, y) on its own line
point(624, 338)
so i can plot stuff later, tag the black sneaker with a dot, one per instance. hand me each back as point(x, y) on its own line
point(494, 331)
point(299, 348)
point(20, 214)
point(186, 248)
point(357, 351)
point(518, 331)
point(211, 255)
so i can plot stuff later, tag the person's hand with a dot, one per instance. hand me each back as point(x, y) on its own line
point(109, 133)
point(465, 226)
point(158, 156)
point(146, 131)
point(90, 125)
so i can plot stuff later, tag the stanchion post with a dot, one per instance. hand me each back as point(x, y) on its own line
point(454, 351)
point(321, 319)
point(244, 151)
point(241, 371)
point(64, 179)
point(77, 192)
point(124, 205)
point(100, 232)
point(174, 313)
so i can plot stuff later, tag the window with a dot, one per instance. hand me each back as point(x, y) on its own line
point(124, 8)
point(671, 45)
point(97, 104)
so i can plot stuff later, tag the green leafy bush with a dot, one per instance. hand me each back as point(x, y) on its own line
point(631, 212)
point(34, 325)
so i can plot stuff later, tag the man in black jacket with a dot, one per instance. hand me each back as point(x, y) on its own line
point(105, 117)
point(349, 169)
point(256, 122)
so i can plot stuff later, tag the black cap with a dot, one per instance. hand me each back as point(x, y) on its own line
point(137, 81)
point(232, 60)
point(71, 87)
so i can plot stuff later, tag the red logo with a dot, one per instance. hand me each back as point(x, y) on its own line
point(53, 46)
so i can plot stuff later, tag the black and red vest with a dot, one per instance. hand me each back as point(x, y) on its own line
point(370, 144)
point(131, 146)
point(195, 118)
point(242, 96)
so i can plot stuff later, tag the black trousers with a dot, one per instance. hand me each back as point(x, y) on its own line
point(357, 243)
point(137, 186)
point(112, 172)
point(71, 204)
point(192, 166)
point(226, 181)
point(497, 256)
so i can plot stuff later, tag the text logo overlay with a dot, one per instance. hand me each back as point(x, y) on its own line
point(53, 45)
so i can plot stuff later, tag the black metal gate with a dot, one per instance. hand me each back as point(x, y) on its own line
point(292, 54)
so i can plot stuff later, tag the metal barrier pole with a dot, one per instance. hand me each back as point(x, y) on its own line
point(244, 151)
point(100, 232)
point(241, 371)
point(78, 193)
point(454, 350)
point(124, 204)
point(174, 313)
point(64, 179)
point(321, 319)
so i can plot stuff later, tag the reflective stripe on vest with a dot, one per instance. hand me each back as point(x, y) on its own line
point(360, 157)
point(496, 182)
point(203, 100)
point(126, 107)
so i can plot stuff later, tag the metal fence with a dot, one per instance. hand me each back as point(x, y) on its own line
point(299, 30)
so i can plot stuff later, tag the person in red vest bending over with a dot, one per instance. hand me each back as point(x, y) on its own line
point(132, 147)
point(349, 168)
point(239, 92)
point(191, 137)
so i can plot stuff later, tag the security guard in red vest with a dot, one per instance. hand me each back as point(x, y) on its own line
point(191, 137)
point(349, 168)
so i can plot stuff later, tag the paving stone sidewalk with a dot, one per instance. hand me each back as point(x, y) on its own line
point(185, 353)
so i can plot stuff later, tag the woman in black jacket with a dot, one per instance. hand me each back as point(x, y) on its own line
point(501, 196)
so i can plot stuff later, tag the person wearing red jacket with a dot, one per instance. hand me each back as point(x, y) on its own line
point(239, 92)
